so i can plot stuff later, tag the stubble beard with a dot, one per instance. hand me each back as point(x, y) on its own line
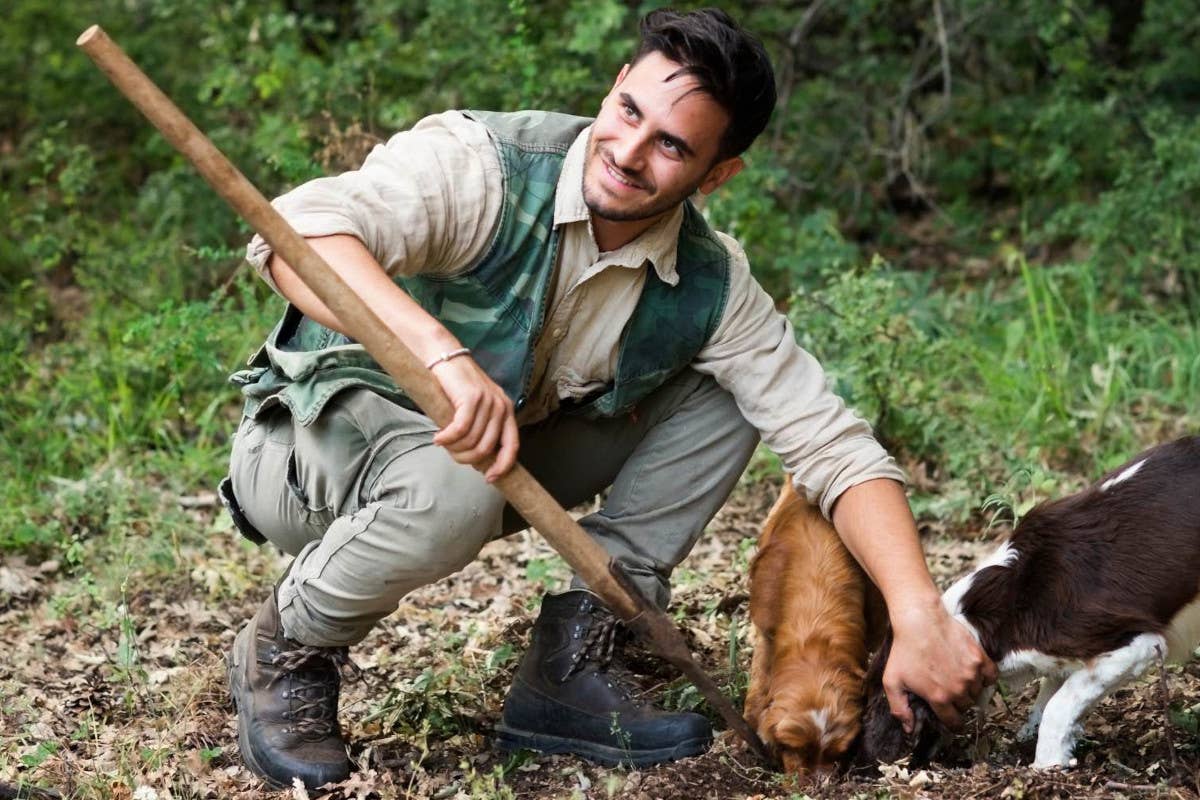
point(654, 206)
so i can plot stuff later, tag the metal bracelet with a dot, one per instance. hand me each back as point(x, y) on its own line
point(446, 356)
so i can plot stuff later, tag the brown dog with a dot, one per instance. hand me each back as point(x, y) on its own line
point(809, 601)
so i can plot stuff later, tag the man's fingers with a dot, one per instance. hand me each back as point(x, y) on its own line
point(948, 714)
point(506, 457)
point(486, 446)
point(460, 426)
point(898, 702)
point(984, 668)
point(985, 675)
point(471, 444)
point(478, 447)
point(483, 420)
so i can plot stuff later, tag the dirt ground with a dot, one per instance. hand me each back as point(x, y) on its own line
point(130, 702)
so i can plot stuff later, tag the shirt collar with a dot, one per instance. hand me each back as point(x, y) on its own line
point(658, 244)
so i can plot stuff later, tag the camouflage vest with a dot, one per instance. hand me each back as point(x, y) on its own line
point(497, 307)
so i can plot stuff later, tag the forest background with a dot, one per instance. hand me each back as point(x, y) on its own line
point(983, 216)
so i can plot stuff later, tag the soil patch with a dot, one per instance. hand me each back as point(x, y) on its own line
point(129, 700)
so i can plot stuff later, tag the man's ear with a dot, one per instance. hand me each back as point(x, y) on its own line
point(621, 76)
point(721, 172)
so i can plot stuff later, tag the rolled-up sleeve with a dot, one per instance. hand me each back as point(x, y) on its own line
point(783, 391)
point(425, 202)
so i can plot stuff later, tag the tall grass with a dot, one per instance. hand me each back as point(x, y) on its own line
point(143, 393)
point(1033, 369)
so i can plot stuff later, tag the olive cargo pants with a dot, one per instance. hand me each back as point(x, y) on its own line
point(372, 509)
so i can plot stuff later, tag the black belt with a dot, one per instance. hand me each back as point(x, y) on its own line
point(225, 492)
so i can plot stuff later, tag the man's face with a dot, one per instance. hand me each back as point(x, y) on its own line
point(653, 144)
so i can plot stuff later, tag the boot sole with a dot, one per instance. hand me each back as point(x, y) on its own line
point(512, 739)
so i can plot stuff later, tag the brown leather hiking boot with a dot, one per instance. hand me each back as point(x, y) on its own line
point(286, 695)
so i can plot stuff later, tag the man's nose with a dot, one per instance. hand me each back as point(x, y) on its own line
point(629, 152)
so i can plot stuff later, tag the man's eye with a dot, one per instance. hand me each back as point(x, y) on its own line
point(670, 146)
point(628, 110)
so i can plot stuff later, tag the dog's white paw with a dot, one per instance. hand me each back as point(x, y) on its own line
point(1055, 754)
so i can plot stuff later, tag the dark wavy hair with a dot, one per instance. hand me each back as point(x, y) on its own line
point(729, 64)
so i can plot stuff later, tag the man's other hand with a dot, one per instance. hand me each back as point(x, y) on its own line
point(483, 418)
point(935, 657)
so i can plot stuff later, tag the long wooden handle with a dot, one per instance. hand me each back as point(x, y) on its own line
point(523, 492)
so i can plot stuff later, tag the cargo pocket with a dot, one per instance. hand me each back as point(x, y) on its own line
point(315, 520)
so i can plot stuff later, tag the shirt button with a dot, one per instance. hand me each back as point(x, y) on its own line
point(558, 332)
point(520, 403)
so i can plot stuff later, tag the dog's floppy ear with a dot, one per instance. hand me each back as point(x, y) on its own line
point(767, 572)
point(883, 738)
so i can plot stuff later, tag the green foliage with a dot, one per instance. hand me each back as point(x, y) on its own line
point(1046, 381)
point(875, 325)
point(550, 573)
point(43, 751)
point(441, 701)
point(1029, 174)
point(487, 785)
point(436, 699)
point(1144, 228)
point(148, 395)
point(1187, 719)
point(890, 110)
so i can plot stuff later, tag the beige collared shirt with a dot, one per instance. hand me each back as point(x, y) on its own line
point(428, 201)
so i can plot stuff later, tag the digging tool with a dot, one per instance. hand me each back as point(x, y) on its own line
point(602, 574)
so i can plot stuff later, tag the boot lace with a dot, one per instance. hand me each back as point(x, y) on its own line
point(597, 648)
point(314, 673)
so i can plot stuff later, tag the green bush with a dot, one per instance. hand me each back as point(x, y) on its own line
point(1047, 378)
point(1030, 171)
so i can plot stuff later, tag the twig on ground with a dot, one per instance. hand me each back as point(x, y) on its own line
point(202, 500)
point(23, 791)
point(1164, 694)
point(733, 759)
point(1122, 767)
point(990, 790)
point(1130, 787)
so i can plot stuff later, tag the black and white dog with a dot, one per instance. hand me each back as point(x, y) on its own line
point(1088, 592)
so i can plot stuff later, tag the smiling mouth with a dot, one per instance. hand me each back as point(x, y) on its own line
point(619, 176)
